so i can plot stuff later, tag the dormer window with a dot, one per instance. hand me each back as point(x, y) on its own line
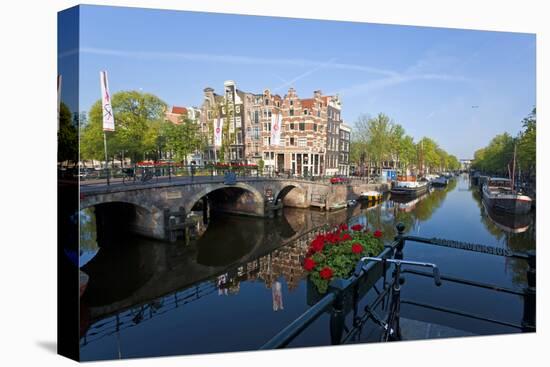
point(305, 111)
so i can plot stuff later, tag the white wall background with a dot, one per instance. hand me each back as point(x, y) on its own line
point(28, 204)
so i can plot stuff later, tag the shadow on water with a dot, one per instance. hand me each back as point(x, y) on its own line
point(219, 248)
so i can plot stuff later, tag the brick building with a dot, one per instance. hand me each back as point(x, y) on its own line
point(344, 150)
point(310, 131)
point(229, 105)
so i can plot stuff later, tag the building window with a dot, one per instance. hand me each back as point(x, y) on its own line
point(269, 114)
point(266, 101)
point(291, 102)
point(314, 127)
point(292, 142)
point(305, 111)
point(302, 142)
point(291, 112)
point(267, 141)
point(292, 126)
point(256, 117)
point(302, 126)
point(238, 109)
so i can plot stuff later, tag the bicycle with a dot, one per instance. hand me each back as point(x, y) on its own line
point(390, 325)
point(130, 176)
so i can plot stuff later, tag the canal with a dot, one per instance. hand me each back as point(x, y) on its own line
point(241, 281)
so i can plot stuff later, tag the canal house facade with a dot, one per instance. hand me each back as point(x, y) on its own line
point(310, 141)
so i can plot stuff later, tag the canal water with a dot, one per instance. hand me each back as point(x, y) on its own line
point(242, 281)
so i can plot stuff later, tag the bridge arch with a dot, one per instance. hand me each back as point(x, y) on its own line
point(117, 217)
point(295, 194)
point(246, 199)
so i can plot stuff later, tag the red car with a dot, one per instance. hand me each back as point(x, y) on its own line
point(339, 180)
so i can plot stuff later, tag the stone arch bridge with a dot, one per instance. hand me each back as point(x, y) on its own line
point(155, 209)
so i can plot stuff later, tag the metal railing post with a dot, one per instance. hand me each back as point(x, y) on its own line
point(337, 317)
point(528, 322)
point(400, 241)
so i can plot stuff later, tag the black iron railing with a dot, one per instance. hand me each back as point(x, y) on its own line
point(344, 294)
point(142, 174)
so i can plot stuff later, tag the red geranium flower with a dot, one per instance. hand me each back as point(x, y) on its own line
point(356, 248)
point(317, 245)
point(378, 233)
point(344, 227)
point(332, 238)
point(357, 227)
point(326, 273)
point(309, 264)
point(346, 237)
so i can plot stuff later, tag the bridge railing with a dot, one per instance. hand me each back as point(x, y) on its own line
point(151, 173)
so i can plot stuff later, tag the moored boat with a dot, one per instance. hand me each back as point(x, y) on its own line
point(371, 195)
point(440, 181)
point(498, 194)
point(409, 188)
point(508, 223)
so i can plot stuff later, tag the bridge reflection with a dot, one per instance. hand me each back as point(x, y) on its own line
point(140, 270)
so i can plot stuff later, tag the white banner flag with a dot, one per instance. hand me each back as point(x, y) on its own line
point(218, 128)
point(108, 117)
point(58, 100)
point(276, 121)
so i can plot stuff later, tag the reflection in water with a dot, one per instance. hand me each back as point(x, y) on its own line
point(88, 237)
point(233, 280)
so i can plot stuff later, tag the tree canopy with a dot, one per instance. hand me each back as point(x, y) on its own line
point(495, 157)
point(138, 117)
point(378, 139)
point(67, 136)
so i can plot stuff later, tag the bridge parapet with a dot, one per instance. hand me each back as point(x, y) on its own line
point(254, 196)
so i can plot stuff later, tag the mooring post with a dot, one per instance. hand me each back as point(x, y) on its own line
point(172, 233)
point(337, 316)
point(529, 320)
point(400, 240)
point(205, 210)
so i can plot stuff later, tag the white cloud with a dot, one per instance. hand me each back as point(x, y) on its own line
point(236, 59)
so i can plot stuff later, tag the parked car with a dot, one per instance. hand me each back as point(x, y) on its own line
point(339, 180)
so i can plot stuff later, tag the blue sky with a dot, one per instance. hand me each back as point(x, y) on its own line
point(426, 79)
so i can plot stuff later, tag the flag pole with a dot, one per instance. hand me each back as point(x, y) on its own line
point(106, 161)
point(108, 117)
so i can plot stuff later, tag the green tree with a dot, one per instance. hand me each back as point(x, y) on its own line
point(137, 117)
point(376, 134)
point(67, 136)
point(428, 157)
point(527, 143)
point(182, 139)
point(496, 156)
point(407, 155)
